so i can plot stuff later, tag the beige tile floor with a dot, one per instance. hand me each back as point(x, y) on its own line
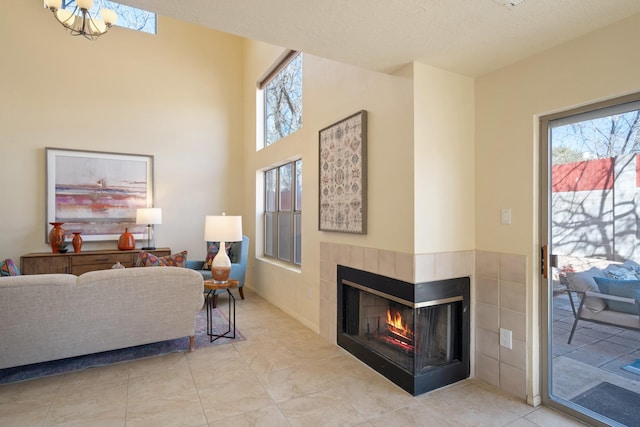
point(283, 374)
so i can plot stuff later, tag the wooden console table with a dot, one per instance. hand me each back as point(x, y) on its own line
point(81, 262)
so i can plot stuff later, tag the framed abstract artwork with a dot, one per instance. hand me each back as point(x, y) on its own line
point(97, 193)
point(343, 175)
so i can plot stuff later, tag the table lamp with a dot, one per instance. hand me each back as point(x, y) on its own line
point(222, 228)
point(149, 216)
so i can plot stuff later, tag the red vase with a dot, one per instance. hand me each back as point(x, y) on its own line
point(76, 242)
point(126, 242)
point(56, 237)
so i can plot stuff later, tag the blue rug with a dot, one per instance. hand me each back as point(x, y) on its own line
point(633, 367)
point(72, 364)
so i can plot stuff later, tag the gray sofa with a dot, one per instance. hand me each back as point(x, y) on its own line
point(53, 316)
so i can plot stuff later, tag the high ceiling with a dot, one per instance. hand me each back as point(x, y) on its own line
point(470, 37)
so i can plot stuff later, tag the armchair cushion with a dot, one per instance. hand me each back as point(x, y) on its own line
point(620, 288)
point(212, 251)
point(584, 282)
point(9, 268)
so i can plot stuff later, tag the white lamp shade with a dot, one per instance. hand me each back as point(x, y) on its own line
point(222, 228)
point(85, 4)
point(53, 4)
point(109, 16)
point(149, 216)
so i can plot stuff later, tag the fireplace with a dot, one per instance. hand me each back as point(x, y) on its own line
point(416, 335)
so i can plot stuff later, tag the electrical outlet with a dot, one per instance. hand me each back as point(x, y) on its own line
point(505, 338)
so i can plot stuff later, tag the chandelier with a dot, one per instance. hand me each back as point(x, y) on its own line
point(79, 22)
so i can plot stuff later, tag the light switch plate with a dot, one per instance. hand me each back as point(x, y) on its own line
point(505, 217)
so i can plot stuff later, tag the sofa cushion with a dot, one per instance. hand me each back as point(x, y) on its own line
point(9, 268)
point(147, 259)
point(584, 282)
point(620, 288)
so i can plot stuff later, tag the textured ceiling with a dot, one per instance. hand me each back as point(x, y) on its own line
point(470, 37)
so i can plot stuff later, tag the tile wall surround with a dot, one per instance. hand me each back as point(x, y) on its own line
point(500, 302)
point(498, 299)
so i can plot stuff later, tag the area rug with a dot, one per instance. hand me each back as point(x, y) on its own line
point(616, 403)
point(55, 367)
point(633, 367)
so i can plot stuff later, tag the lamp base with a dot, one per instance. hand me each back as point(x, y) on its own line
point(149, 248)
point(220, 274)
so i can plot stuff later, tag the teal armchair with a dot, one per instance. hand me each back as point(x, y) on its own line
point(239, 253)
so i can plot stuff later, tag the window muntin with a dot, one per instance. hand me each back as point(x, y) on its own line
point(283, 213)
point(283, 99)
point(128, 17)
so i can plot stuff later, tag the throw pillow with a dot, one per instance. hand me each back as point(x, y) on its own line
point(9, 268)
point(620, 273)
point(620, 288)
point(583, 282)
point(212, 251)
point(147, 259)
point(632, 266)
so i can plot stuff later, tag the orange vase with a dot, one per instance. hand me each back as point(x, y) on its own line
point(56, 237)
point(126, 242)
point(76, 242)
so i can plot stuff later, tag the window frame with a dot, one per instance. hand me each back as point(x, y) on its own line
point(278, 66)
point(273, 213)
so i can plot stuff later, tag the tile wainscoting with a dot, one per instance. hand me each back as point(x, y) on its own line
point(498, 300)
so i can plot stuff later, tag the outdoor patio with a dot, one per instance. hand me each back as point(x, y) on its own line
point(596, 354)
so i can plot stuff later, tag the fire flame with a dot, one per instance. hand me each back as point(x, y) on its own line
point(396, 322)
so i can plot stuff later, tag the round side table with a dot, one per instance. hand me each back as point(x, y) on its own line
point(211, 287)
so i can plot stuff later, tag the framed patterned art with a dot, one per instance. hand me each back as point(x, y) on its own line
point(343, 175)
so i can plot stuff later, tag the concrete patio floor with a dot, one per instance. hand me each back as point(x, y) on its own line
point(597, 353)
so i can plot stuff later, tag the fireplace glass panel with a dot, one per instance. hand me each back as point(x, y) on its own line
point(415, 339)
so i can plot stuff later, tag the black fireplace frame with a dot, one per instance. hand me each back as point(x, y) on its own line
point(419, 292)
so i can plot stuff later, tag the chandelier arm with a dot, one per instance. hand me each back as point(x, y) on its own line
point(85, 28)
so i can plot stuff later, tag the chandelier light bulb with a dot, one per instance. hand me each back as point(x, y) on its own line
point(109, 16)
point(85, 4)
point(66, 17)
point(53, 4)
point(97, 25)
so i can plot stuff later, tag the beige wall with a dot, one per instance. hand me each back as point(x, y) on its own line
point(508, 103)
point(174, 95)
point(333, 91)
point(443, 160)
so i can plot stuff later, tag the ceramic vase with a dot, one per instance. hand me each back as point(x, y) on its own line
point(56, 237)
point(126, 242)
point(76, 242)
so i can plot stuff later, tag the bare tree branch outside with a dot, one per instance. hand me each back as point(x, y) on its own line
point(283, 102)
point(595, 168)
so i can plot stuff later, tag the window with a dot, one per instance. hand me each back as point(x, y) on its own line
point(282, 86)
point(128, 17)
point(283, 213)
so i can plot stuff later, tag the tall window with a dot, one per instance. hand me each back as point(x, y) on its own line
point(283, 213)
point(128, 17)
point(282, 86)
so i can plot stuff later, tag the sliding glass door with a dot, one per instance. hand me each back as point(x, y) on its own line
point(590, 213)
